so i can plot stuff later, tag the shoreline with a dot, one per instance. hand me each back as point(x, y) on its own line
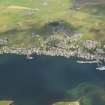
point(52, 52)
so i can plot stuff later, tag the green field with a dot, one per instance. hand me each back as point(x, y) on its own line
point(18, 26)
point(21, 21)
point(5, 102)
point(67, 103)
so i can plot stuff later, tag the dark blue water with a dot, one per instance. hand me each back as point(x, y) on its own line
point(43, 80)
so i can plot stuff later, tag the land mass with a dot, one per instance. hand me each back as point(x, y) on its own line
point(69, 28)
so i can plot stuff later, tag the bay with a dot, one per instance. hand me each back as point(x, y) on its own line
point(44, 80)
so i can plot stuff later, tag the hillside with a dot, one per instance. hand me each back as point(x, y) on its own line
point(49, 25)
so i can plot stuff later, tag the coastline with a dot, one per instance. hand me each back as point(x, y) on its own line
point(52, 52)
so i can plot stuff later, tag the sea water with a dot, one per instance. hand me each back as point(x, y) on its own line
point(45, 80)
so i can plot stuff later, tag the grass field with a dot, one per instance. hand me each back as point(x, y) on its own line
point(20, 19)
point(5, 102)
point(67, 103)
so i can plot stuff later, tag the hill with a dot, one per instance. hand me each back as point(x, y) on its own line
point(51, 24)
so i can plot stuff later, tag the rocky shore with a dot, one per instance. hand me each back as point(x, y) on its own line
point(78, 53)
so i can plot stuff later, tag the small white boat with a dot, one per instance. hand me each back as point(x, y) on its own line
point(30, 57)
point(102, 68)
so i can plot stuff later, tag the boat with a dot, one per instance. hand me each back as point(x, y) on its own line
point(102, 68)
point(30, 57)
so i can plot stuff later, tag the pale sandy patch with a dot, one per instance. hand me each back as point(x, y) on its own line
point(67, 103)
point(21, 7)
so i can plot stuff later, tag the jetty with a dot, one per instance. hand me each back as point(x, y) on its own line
point(91, 62)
